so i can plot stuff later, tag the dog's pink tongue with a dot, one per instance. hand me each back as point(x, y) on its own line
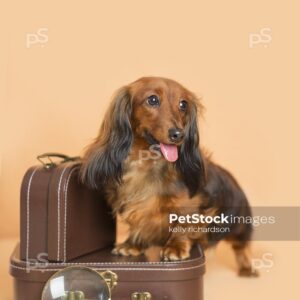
point(170, 152)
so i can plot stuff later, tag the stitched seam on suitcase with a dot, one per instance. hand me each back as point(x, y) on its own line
point(28, 213)
point(65, 221)
point(118, 269)
point(58, 212)
point(158, 263)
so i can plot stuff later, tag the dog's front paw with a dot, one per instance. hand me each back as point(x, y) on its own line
point(172, 253)
point(126, 249)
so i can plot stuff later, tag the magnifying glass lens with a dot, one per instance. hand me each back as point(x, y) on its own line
point(76, 283)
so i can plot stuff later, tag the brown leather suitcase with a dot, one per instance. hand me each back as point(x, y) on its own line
point(60, 218)
point(141, 278)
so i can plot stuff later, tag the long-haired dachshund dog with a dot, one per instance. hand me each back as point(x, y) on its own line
point(159, 116)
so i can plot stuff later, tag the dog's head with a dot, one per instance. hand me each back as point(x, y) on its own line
point(158, 111)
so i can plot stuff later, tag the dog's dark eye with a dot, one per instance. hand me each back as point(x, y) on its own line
point(183, 105)
point(153, 100)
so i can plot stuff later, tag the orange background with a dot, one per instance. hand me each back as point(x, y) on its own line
point(53, 95)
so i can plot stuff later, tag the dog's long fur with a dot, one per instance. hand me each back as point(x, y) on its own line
point(145, 191)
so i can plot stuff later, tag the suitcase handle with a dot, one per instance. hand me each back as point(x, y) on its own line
point(50, 163)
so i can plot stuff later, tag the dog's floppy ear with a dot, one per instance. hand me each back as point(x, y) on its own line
point(190, 162)
point(103, 160)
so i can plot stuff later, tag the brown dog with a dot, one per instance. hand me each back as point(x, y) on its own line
point(159, 116)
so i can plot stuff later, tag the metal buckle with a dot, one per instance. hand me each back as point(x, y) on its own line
point(111, 278)
point(141, 296)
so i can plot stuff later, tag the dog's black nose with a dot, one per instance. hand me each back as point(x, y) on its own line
point(175, 135)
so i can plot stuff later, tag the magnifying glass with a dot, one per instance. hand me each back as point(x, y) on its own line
point(80, 283)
